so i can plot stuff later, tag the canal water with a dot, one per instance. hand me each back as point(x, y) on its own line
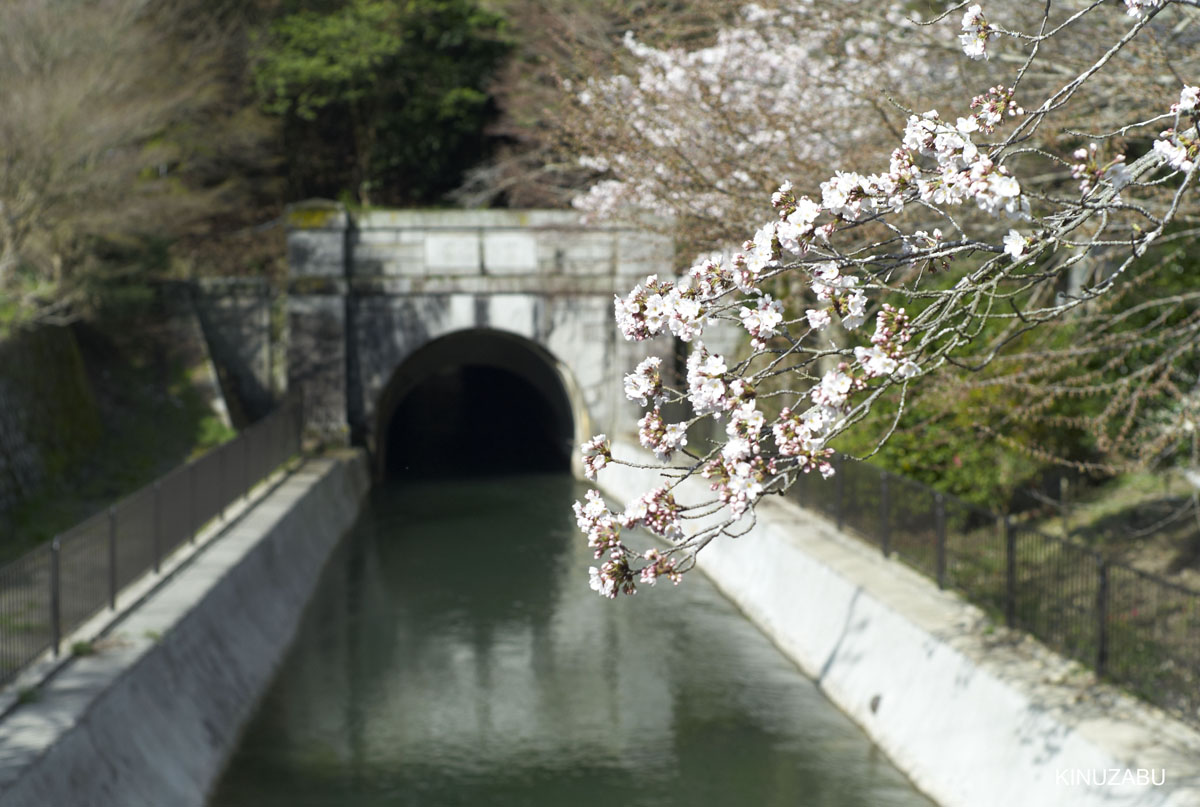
point(454, 655)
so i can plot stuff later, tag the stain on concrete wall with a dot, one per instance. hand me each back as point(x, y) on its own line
point(238, 317)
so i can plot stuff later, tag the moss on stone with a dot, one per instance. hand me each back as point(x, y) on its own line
point(315, 285)
point(313, 217)
point(53, 405)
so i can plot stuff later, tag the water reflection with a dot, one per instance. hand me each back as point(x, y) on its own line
point(454, 655)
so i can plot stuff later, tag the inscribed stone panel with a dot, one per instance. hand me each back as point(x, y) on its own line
point(452, 252)
point(508, 253)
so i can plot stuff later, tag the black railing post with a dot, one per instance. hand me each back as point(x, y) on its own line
point(193, 511)
point(939, 517)
point(885, 512)
point(221, 463)
point(841, 491)
point(1101, 615)
point(298, 415)
point(157, 525)
point(246, 481)
point(1010, 571)
point(55, 596)
point(291, 428)
point(112, 558)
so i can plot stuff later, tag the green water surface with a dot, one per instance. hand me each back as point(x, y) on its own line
point(454, 655)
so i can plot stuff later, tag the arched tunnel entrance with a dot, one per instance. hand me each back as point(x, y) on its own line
point(475, 402)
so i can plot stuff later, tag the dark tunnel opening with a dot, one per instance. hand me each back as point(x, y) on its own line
point(474, 419)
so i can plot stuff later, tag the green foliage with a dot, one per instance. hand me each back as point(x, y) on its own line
point(972, 435)
point(320, 59)
point(384, 100)
point(211, 432)
point(1099, 391)
point(945, 447)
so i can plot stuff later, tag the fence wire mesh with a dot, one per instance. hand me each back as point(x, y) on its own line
point(25, 627)
point(175, 517)
point(1153, 637)
point(53, 589)
point(80, 551)
point(1132, 627)
point(912, 527)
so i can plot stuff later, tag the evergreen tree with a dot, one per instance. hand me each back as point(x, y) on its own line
point(382, 100)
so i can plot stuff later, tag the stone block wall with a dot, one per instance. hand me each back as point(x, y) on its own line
point(367, 291)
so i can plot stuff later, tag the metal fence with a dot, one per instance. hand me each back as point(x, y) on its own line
point(55, 588)
point(1134, 628)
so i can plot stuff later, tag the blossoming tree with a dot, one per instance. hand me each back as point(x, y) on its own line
point(1032, 203)
point(693, 135)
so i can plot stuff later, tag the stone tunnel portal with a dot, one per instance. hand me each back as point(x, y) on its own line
point(475, 402)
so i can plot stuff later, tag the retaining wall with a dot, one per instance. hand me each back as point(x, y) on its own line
point(975, 716)
point(151, 718)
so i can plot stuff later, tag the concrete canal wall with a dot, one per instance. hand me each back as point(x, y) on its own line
point(151, 717)
point(976, 717)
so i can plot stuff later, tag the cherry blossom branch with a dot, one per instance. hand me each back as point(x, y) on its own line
point(863, 244)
